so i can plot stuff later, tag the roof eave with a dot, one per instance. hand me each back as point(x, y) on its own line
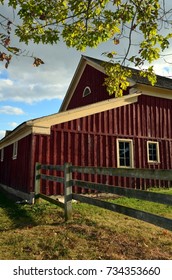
point(85, 111)
point(43, 125)
point(18, 133)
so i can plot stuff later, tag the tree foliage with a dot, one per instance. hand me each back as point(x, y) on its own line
point(87, 23)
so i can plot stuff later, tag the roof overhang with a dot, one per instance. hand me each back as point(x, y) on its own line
point(151, 91)
point(43, 125)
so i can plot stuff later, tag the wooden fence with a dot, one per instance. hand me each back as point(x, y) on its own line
point(69, 182)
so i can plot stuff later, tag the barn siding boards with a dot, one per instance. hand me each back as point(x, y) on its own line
point(93, 144)
point(97, 134)
point(91, 141)
point(15, 173)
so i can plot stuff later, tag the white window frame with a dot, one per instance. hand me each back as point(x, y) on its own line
point(157, 152)
point(2, 154)
point(15, 149)
point(86, 91)
point(130, 141)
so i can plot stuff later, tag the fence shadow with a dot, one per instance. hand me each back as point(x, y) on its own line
point(19, 216)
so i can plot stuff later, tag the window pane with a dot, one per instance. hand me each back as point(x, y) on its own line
point(122, 162)
point(152, 152)
point(124, 153)
point(127, 162)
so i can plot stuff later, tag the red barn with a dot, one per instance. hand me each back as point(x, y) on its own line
point(93, 129)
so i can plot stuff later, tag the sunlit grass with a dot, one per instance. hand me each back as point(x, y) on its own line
point(40, 232)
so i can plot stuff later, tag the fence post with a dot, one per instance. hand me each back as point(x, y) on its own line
point(37, 179)
point(68, 191)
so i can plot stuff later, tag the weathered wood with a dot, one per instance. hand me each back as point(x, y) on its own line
point(52, 167)
point(68, 190)
point(37, 178)
point(140, 215)
point(52, 178)
point(52, 200)
point(156, 174)
point(139, 194)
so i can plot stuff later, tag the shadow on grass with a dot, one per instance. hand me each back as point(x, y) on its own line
point(18, 215)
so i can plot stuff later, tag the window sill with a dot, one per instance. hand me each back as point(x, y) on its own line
point(153, 162)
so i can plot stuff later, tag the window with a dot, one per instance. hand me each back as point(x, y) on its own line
point(153, 152)
point(2, 154)
point(15, 148)
point(125, 153)
point(86, 91)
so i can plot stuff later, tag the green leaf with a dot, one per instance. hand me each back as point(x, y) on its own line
point(13, 50)
point(84, 23)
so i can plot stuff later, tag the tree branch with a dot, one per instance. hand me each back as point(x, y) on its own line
point(129, 39)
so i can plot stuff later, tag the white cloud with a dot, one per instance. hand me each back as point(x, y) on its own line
point(163, 69)
point(30, 85)
point(13, 124)
point(9, 110)
point(5, 83)
point(2, 133)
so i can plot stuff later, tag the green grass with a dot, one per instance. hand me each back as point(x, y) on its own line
point(143, 205)
point(161, 190)
point(39, 232)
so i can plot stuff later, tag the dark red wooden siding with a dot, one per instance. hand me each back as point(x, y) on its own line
point(16, 173)
point(91, 141)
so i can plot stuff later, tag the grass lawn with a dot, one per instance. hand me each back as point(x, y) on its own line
point(38, 232)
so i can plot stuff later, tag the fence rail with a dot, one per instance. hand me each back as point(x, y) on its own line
point(157, 174)
point(52, 178)
point(132, 193)
point(138, 214)
point(68, 182)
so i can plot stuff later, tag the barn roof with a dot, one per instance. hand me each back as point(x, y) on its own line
point(162, 82)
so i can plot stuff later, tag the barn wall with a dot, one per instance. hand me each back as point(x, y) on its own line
point(16, 173)
point(91, 141)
